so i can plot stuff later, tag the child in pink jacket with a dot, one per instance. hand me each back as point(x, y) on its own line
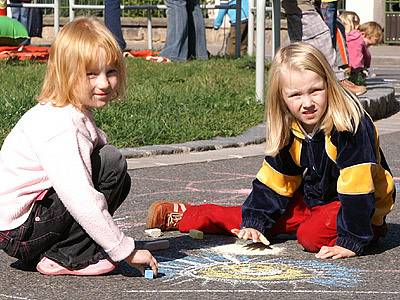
point(359, 38)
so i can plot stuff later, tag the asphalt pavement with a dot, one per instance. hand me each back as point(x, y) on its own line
point(218, 267)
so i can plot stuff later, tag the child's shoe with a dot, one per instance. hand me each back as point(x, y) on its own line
point(355, 89)
point(165, 214)
point(49, 267)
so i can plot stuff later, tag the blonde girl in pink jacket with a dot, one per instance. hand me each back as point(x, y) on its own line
point(60, 180)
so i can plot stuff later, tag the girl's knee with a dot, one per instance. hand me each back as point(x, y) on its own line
point(309, 239)
point(111, 157)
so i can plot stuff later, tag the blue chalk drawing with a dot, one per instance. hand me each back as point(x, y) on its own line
point(257, 270)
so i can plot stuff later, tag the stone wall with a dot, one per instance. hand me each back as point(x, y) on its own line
point(135, 31)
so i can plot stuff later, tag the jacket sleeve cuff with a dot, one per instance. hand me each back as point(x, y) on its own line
point(255, 223)
point(351, 244)
point(122, 250)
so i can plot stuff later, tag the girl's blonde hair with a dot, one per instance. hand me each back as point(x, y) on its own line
point(350, 20)
point(372, 30)
point(343, 108)
point(75, 50)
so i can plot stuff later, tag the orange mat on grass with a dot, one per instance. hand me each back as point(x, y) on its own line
point(37, 53)
point(140, 53)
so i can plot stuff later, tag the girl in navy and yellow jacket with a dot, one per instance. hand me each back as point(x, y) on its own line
point(324, 176)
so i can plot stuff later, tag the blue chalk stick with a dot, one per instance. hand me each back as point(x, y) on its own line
point(148, 274)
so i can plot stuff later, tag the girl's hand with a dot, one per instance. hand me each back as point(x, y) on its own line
point(141, 258)
point(334, 252)
point(250, 234)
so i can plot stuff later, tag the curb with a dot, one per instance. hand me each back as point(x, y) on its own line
point(379, 101)
point(254, 135)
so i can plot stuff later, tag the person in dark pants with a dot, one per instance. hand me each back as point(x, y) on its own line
point(112, 19)
point(231, 40)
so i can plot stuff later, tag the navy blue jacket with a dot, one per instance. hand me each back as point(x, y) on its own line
point(340, 166)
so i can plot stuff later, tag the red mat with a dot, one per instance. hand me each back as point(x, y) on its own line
point(37, 53)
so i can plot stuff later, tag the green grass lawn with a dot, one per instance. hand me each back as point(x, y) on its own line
point(164, 104)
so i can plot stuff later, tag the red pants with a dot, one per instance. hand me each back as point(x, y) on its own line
point(314, 227)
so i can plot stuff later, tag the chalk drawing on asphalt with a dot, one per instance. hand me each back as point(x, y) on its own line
point(256, 270)
point(240, 248)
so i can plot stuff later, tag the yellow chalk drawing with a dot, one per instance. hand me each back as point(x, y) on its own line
point(254, 272)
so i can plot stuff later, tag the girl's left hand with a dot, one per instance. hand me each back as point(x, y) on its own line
point(334, 252)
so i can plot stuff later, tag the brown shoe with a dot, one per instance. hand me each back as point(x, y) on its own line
point(355, 89)
point(165, 214)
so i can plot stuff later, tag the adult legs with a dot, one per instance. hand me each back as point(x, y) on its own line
point(112, 19)
point(21, 14)
point(329, 14)
point(197, 32)
point(176, 44)
point(231, 40)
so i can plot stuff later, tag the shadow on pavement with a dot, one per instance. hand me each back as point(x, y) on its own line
point(391, 241)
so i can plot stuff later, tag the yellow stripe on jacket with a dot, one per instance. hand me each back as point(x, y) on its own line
point(284, 185)
point(369, 178)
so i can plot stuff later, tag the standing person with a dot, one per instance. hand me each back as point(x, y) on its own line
point(329, 15)
point(186, 34)
point(60, 180)
point(231, 39)
point(21, 14)
point(305, 24)
point(324, 176)
point(112, 19)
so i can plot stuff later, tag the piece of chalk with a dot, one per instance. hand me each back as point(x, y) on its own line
point(157, 245)
point(148, 274)
point(264, 240)
point(153, 232)
point(196, 234)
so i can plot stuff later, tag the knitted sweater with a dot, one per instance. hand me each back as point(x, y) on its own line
point(51, 147)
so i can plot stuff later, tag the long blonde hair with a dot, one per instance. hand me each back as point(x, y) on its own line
point(350, 20)
point(343, 111)
point(75, 50)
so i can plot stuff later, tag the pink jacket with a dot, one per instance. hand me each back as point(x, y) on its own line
point(359, 55)
point(51, 147)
